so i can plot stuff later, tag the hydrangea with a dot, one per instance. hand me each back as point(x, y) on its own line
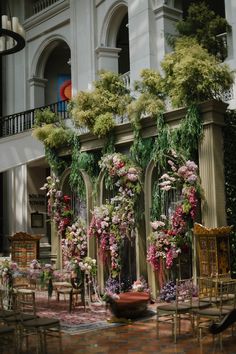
point(168, 292)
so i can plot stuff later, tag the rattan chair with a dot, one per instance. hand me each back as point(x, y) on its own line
point(173, 312)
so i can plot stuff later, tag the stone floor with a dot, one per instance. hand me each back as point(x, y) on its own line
point(140, 338)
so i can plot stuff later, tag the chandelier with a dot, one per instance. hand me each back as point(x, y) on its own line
point(12, 35)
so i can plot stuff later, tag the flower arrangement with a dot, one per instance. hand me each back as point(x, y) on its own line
point(46, 277)
point(8, 270)
point(114, 221)
point(162, 245)
point(89, 266)
point(140, 285)
point(168, 292)
point(74, 245)
point(170, 235)
point(34, 271)
point(59, 205)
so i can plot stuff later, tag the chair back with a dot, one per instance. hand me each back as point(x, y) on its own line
point(205, 289)
point(184, 291)
point(227, 293)
point(25, 301)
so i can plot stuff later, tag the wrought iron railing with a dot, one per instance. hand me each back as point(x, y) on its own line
point(23, 121)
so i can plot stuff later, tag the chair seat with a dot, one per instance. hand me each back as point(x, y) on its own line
point(200, 305)
point(7, 330)
point(212, 311)
point(6, 313)
point(173, 307)
point(19, 317)
point(42, 322)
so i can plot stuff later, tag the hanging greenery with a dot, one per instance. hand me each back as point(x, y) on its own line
point(76, 180)
point(230, 178)
point(56, 162)
point(189, 133)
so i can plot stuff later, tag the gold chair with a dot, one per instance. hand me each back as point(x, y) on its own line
point(7, 339)
point(181, 308)
point(222, 298)
point(69, 291)
point(41, 327)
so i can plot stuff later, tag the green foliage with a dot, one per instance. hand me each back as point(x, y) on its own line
point(192, 75)
point(57, 163)
point(188, 135)
point(205, 26)
point(96, 110)
point(230, 178)
point(141, 150)
point(50, 129)
point(150, 100)
point(45, 116)
point(104, 123)
point(163, 142)
point(58, 137)
point(76, 180)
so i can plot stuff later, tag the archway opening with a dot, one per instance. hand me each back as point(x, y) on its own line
point(58, 74)
point(122, 41)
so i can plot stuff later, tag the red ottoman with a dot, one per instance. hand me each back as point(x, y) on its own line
point(130, 305)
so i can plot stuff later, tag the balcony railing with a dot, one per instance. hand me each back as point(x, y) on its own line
point(42, 4)
point(20, 122)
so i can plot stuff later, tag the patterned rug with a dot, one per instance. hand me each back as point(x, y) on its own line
point(95, 316)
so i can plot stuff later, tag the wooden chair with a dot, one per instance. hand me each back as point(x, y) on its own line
point(41, 327)
point(179, 309)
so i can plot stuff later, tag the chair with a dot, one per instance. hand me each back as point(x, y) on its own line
point(39, 326)
point(222, 298)
point(7, 339)
point(181, 308)
point(70, 290)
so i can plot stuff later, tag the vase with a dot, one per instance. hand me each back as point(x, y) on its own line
point(130, 305)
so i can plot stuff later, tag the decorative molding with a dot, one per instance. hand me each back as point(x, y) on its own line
point(46, 14)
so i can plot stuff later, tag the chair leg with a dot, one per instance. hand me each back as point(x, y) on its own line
point(175, 327)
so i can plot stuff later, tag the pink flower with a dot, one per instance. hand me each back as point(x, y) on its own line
point(156, 224)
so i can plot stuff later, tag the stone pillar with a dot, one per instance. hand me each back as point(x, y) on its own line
point(166, 17)
point(142, 37)
point(37, 91)
point(82, 51)
point(108, 58)
point(211, 164)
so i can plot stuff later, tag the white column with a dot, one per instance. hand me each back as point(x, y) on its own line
point(108, 58)
point(37, 91)
point(142, 34)
point(166, 18)
point(211, 165)
point(82, 50)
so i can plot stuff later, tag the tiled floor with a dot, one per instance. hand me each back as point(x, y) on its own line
point(139, 338)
